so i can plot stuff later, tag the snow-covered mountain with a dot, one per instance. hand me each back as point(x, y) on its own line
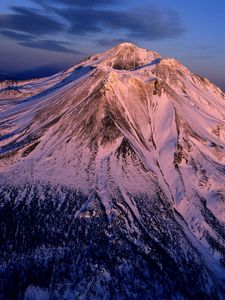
point(112, 182)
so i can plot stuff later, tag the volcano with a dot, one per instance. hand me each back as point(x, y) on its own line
point(112, 182)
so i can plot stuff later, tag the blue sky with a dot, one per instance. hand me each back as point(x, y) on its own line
point(40, 37)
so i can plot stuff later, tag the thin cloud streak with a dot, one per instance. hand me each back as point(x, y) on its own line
point(140, 22)
point(28, 21)
point(50, 46)
point(27, 26)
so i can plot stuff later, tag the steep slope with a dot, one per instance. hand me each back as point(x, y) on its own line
point(112, 182)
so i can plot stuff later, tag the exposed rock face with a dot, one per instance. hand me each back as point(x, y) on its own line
point(112, 182)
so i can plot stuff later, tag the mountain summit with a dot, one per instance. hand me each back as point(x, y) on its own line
point(127, 56)
point(112, 182)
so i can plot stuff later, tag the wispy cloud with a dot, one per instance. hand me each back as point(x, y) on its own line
point(34, 29)
point(77, 3)
point(26, 20)
point(140, 22)
point(16, 35)
point(50, 45)
point(31, 41)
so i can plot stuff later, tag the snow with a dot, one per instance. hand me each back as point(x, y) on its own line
point(154, 104)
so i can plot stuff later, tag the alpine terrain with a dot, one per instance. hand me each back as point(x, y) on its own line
point(112, 182)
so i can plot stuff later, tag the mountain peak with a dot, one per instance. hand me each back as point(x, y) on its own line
point(115, 166)
point(127, 44)
point(126, 56)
